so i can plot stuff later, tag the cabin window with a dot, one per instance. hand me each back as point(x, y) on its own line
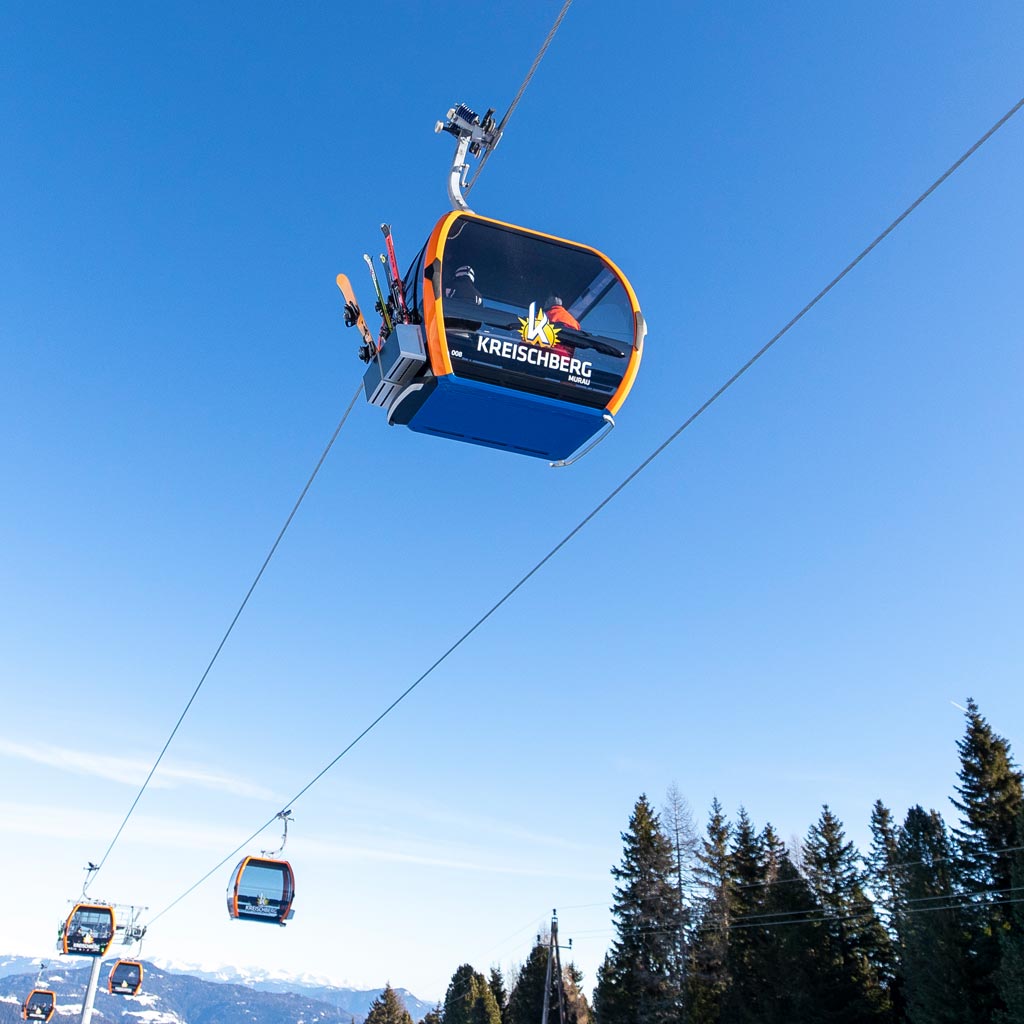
point(532, 313)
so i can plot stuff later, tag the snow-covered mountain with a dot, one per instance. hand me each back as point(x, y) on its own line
point(351, 1000)
point(226, 996)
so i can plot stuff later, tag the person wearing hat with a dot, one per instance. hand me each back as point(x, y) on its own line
point(558, 314)
point(464, 289)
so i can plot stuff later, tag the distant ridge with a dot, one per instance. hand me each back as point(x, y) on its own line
point(172, 996)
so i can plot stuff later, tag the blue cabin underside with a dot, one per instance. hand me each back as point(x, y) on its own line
point(484, 414)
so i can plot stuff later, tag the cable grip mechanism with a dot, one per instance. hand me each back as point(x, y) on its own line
point(476, 137)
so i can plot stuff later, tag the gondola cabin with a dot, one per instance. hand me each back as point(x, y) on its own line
point(517, 340)
point(40, 1004)
point(262, 889)
point(89, 930)
point(125, 978)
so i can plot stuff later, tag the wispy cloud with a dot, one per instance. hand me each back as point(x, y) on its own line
point(409, 851)
point(67, 823)
point(392, 803)
point(131, 771)
point(79, 824)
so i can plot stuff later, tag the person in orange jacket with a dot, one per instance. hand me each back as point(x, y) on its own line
point(558, 314)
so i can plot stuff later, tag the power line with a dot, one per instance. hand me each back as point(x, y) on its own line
point(224, 639)
point(515, 102)
point(897, 865)
point(625, 483)
point(812, 916)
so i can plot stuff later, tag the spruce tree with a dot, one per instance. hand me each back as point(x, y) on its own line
point(1010, 977)
point(854, 940)
point(708, 977)
point(388, 1008)
point(746, 998)
point(798, 982)
point(497, 986)
point(637, 984)
point(882, 866)
point(883, 880)
point(990, 791)
point(935, 965)
point(526, 1000)
point(469, 999)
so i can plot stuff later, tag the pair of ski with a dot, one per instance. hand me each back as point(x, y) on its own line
point(388, 308)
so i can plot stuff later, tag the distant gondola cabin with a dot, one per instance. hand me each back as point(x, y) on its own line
point(40, 1004)
point(521, 341)
point(125, 978)
point(89, 930)
point(262, 889)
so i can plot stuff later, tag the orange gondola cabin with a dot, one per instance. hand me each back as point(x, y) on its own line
point(514, 339)
point(262, 889)
point(498, 335)
point(125, 978)
point(89, 930)
point(40, 1004)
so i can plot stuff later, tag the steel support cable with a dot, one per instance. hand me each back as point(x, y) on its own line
point(693, 885)
point(224, 639)
point(867, 914)
point(974, 899)
point(820, 917)
point(622, 486)
point(519, 95)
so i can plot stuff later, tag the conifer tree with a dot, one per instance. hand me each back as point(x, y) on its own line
point(1010, 978)
point(854, 939)
point(526, 1000)
point(990, 791)
point(882, 866)
point(388, 1008)
point(637, 984)
point(747, 868)
point(797, 983)
point(883, 879)
point(497, 986)
point(708, 979)
point(935, 964)
point(469, 999)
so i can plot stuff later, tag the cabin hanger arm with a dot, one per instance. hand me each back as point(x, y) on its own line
point(475, 137)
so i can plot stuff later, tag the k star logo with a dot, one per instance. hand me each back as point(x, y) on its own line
point(537, 329)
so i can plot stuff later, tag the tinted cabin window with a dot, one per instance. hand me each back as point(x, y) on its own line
point(90, 931)
point(263, 890)
point(533, 314)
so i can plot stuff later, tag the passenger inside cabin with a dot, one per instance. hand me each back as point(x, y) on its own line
point(558, 314)
point(464, 289)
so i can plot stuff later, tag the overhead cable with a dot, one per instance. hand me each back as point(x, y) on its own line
point(224, 639)
point(625, 483)
point(519, 95)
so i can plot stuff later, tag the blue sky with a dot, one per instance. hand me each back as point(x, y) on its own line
point(777, 612)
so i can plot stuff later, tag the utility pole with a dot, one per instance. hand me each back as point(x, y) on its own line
point(554, 968)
